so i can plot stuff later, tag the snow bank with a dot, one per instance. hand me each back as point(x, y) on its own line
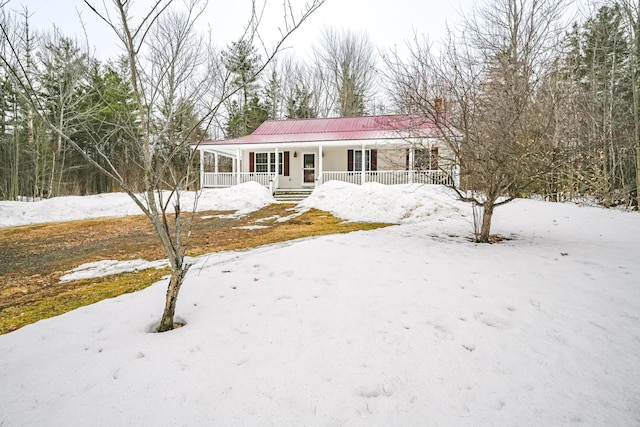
point(243, 198)
point(375, 202)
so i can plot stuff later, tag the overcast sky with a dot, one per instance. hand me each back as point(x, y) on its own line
point(388, 22)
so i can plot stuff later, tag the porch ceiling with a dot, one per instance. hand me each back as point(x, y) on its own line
point(225, 151)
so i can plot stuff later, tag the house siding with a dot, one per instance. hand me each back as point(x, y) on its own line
point(335, 159)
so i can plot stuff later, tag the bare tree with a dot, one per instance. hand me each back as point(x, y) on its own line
point(490, 76)
point(64, 71)
point(299, 93)
point(20, 42)
point(10, 150)
point(160, 198)
point(347, 63)
point(631, 11)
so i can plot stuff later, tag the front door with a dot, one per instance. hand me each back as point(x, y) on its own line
point(309, 168)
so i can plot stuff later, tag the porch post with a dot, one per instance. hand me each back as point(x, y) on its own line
point(216, 168)
point(411, 159)
point(319, 178)
point(234, 166)
point(277, 172)
point(238, 166)
point(201, 168)
point(363, 164)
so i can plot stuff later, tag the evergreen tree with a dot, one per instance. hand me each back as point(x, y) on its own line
point(243, 121)
point(273, 97)
point(245, 112)
point(111, 115)
point(299, 104)
point(602, 122)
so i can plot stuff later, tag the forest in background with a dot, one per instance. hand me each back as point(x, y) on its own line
point(591, 97)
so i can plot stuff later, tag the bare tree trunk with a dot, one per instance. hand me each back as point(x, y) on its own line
point(637, 136)
point(632, 9)
point(178, 271)
point(54, 157)
point(487, 215)
point(15, 181)
point(63, 158)
point(167, 322)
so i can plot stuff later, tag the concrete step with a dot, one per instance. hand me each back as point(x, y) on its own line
point(292, 195)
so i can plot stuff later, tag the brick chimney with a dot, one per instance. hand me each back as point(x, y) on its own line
point(438, 105)
point(439, 110)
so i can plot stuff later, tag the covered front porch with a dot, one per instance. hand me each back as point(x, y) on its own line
point(304, 166)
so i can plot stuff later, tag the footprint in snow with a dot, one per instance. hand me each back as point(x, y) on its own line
point(376, 390)
point(442, 332)
point(492, 320)
point(469, 347)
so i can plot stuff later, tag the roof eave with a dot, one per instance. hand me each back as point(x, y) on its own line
point(398, 142)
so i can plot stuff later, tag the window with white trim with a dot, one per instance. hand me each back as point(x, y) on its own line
point(426, 159)
point(266, 162)
point(421, 159)
point(357, 160)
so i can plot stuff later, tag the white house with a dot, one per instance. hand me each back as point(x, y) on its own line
point(303, 153)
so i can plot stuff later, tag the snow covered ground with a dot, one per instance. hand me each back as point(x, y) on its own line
point(410, 325)
point(244, 198)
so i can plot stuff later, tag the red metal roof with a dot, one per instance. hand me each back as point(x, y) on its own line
point(335, 129)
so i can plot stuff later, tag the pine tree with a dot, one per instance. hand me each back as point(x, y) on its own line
point(246, 112)
point(273, 97)
point(604, 164)
point(299, 104)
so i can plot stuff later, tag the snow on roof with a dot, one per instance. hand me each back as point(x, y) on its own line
point(336, 129)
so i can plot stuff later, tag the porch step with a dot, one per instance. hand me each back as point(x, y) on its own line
point(292, 195)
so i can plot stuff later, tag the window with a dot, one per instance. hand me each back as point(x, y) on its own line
point(272, 163)
point(434, 158)
point(422, 159)
point(357, 160)
point(426, 159)
point(354, 160)
point(266, 162)
point(262, 162)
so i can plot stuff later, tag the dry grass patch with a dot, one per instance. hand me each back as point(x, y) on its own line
point(33, 258)
point(76, 294)
point(307, 224)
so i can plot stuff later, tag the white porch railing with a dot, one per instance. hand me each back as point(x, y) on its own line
point(270, 180)
point(273, 184)
point(228, 179)
point(352, 177)
point(392, 177)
